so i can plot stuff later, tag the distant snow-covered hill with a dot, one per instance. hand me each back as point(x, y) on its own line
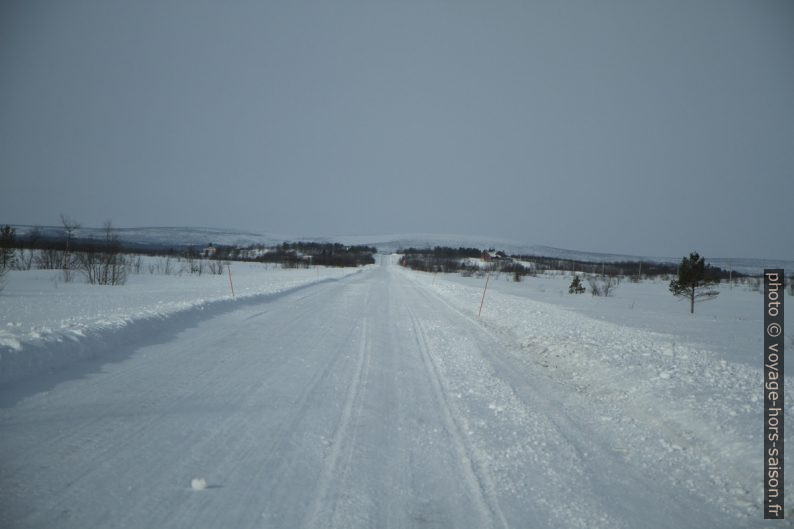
point(390, 243)
point(176, 237)
point(167, 237)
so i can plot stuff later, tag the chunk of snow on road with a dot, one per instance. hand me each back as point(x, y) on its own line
point(9, 341)
point(198, 484)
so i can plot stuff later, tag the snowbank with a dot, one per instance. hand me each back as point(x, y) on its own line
point(46, 323)
point(684, 391)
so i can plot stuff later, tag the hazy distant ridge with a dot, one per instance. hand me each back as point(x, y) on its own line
point(177, 237)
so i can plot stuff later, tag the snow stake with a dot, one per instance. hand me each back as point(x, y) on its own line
point(231, 285)
point(483, 294)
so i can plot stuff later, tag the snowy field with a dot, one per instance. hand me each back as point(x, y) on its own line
point(45, 322)
point(377, 398)
point(730, 325)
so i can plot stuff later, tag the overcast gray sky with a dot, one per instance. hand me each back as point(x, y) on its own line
point(649, 128)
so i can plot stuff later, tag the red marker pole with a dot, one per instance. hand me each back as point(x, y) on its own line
point(483, 293)
point(231, 285)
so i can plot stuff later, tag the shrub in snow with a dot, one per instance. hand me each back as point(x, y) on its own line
point(576, 286)
point(603, 285)
point(103, 263)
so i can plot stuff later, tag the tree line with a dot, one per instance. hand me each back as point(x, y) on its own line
point(300, 254)
point(102, 261)
point(106, 260)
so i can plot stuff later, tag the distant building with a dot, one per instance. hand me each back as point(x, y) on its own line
point(490, 255)
point(209, 251)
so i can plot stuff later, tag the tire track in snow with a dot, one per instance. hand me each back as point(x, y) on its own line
point(270, 457)
point(342, 441)
point(276, 461)
point(478, 481)
point(274, 464)
point(518, 462)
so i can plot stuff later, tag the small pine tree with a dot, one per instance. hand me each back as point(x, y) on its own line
point(695, 280)
point(576, 286)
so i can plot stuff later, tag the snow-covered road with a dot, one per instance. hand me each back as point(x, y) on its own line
point(367, 401)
